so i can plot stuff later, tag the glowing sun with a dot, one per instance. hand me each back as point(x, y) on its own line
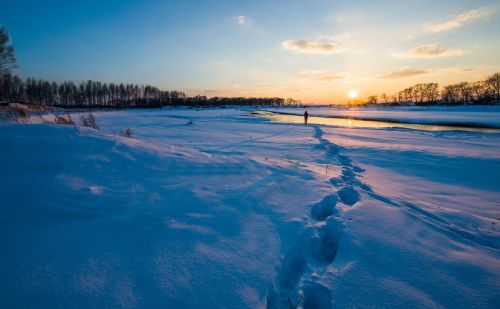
point(353, 94)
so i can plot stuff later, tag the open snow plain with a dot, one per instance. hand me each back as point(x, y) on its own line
point(218, 209)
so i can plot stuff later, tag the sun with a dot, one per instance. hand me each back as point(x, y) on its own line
point(353, 94)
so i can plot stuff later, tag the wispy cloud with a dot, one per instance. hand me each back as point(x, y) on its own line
point(324, 47)
point(214, 92)
point(335, 18)
point(241, 20)
point(458, 20)
point(410, 72)
point(403, 73)
point(454, 70)
point(330, 77)
point(321, 75)
point(430, 51)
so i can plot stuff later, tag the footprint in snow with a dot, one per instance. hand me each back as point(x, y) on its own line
point(324, 246)
point(317, 296)
point(322, 210)
point(349, 196)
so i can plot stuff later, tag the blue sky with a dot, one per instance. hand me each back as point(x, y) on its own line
point(316, 51)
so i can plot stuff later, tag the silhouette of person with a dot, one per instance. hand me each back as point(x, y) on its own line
point(306, 115)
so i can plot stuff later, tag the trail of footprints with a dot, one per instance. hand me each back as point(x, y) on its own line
point(297, 282)
point(318, 245)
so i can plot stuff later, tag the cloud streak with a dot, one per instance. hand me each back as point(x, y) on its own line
point(312, 47)
point(323, 76)
point(430, 51)
point(404, 73)
point(458, 21)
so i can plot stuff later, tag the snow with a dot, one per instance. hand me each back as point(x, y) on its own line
point(212, 208)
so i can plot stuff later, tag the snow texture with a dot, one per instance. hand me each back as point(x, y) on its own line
point(213, 208)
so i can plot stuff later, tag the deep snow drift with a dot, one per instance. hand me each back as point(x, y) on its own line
point(212, 208)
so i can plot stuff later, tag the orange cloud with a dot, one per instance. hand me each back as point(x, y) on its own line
point(403, 73)
point(458, 21)
point(430, 51)
point(322, 75)
point(312, 47)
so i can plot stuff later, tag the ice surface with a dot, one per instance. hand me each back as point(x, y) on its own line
point(465, 115)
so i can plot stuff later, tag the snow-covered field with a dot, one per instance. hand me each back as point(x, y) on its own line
point(216, 209)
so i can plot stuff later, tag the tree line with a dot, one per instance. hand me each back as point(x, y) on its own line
point(95, 94)
point(479, 92)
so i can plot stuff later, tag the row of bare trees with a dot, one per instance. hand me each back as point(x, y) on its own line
point(85, 94)
point(479, 92)
point(96, 94)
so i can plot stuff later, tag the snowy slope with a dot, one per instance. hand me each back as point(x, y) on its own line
point(211, 209)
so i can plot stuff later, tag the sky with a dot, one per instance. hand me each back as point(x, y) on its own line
point(314, 51)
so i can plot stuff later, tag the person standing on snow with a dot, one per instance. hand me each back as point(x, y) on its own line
point(306, 115)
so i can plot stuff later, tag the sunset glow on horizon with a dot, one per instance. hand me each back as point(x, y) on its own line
point(316, 52)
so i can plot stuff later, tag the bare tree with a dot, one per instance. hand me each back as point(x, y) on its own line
point(7, 56)
point(464, 91)
point(450, 95)
point(385, 97)
point(493, 83)
point(401, 96)
point(433, 92)
point(372, 99)
point(408, 94)
point(478, 90)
